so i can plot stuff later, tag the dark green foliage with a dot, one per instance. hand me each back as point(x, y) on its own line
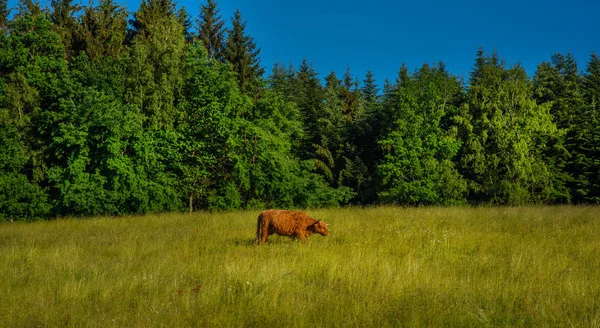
point(4, 13)
point(20, 198)
point(504, 131)
point(591, 81)
point(328, 143)
point(342, 133)
point(99, 119)
point(241, 52)
point(150, 15)
point(546, 84)
point(418, 166)
point(238, 153)
point(364, 135)
point(154, 75)
point(275, 178)
point(104, 162)
point(210, 128)
point(587, 158)
point(29, 7)
point(107, 163)
point(211, 30)
point(103, 30)
point(308, 94)
point(32, 68)
point(325, 130)
point(186, 23)
point(350, 97)
point(570, 96)
point(64, 22)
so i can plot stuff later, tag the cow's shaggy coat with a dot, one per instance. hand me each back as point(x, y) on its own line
point(287, 223)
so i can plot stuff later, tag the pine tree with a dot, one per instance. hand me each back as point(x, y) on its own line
point(559, 86)
point(29, 7)
point(589, 163)
point(308, 96)
point(282, 80)
point(369, 89)
point(364, 137)
point(350, 96)
point(211, 30)
point(388, 103)
point(548, 83)
point(151, 12)
point(241, 52)
point(591, 80)
point(64, 21)
point(103, 30)
point(4, 13)
point(155, 72)
point(184, 19)
point(329, 142)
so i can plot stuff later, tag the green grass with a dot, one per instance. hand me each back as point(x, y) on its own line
point(529, 266)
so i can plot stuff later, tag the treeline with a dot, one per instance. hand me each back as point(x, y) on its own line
point(103, 113)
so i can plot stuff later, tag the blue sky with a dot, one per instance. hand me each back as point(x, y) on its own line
point(382, 34)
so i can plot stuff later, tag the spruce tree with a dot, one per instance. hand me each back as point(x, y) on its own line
point(211, 30)
point(241, 52)
point(4, 13)
point(64, 22)
point(591, 80)
point(548, 84)
point(308, 96)
point(330, 142)
point(282, 80)
point(559, 85)
point(103, 30)
point(184, 19)
point(148, 15)
point(350, 96)
point(29, 7)
point(156, 61)
point(364, 136)
point(369, 89)
point(589, 162)
point(388, 103)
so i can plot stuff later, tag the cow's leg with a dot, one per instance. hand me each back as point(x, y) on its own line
point(302, 237)
point(264, 233)
point(258, 233)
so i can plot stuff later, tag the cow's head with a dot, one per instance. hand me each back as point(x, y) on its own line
point(319, 227)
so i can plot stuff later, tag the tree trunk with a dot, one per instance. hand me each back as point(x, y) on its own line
point(191, 203)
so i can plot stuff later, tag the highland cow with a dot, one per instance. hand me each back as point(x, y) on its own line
point(287, 223)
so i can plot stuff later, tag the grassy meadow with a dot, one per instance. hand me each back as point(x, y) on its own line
point(384, 266)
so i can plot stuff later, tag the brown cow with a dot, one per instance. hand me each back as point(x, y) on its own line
point(287, 223)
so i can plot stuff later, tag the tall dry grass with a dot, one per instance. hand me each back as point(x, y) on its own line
point(386, 266)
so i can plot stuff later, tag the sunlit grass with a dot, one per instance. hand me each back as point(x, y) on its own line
point(530, 266)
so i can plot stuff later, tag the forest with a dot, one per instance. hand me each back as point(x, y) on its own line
point(107, 112)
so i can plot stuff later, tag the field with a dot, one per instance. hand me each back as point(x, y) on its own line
point(385, 266)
